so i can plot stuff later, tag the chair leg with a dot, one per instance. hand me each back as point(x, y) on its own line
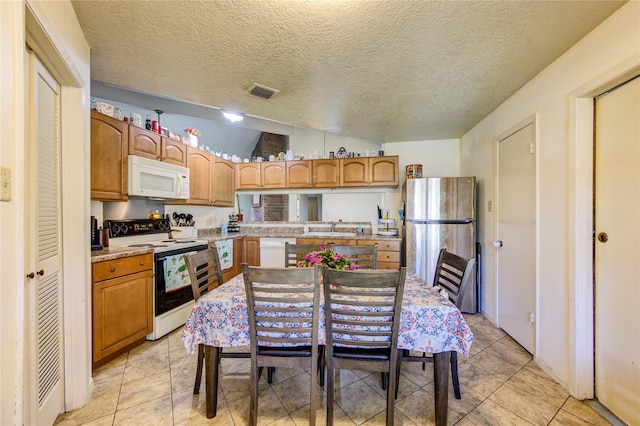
point(401, 353)
point(330, 384)
point(391, 394)
point(270, 374)
point(255, 385)
point(196, 386)
point(454, 374)
point(424, 363)
point(384, 377)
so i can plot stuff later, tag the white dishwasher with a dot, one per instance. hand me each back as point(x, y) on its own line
point(272, 251)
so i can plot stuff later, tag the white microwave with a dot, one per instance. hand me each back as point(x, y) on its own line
point(155, 179)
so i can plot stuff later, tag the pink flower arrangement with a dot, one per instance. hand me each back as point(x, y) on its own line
point(192, 131)
point(326, 256)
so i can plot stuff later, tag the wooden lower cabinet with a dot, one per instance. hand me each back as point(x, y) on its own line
point(251, 251)
point(122, 305)
point(388, 253)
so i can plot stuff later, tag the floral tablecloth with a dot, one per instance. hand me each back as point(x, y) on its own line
point(430, 323)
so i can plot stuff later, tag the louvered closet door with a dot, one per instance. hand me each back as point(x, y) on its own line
point(45, 330)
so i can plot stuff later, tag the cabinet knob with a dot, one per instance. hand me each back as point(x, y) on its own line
point(113, 269)
point(40, 272)
point(141, 263)
point(31, 275)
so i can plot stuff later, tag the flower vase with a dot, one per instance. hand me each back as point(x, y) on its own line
point(192, 140)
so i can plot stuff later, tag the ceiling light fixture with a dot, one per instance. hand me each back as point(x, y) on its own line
point(233, 117)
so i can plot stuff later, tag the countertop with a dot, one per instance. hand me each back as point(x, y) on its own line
point(115, 252)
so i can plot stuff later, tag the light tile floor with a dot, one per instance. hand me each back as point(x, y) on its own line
point(501, 385)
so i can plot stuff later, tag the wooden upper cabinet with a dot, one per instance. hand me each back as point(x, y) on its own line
point(355, 172)
point(109, 148)
point(326, 173)
point(248, 176)
point(371, 171)
point(200, 164)
point(299, 174)
point(173, 152)
point(223, 179)
point(144, 143)
point(383, 171)
point(273, 174)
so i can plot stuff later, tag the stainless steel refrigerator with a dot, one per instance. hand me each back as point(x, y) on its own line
point(440, 212)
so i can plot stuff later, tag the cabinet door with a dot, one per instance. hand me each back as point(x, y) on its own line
point(383, 171)
point(223, 175)
point(248, 176)
point(144, 143)
point(299, 174)
point(355, 172)
point(200, 166)
point(109, 148)
point(388, 253)
point(326, 173)
point(274, 174)
point(122, 312)
point(173, 152)
point(251, 251)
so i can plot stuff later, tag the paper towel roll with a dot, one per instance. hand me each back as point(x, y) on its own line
point(374, 225)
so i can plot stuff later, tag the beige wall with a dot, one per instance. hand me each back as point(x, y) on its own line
point(55, 35)
point(563, 283)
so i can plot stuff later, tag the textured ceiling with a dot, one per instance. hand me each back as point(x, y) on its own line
point(379, 70)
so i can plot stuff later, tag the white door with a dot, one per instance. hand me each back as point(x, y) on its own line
point(617, 251)
point(44, 368)
point(516, 236)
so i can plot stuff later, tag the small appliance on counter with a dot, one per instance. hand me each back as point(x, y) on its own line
point(387, 227)
point(95, 235)
point(233, 223)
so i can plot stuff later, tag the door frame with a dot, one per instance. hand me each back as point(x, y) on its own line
point(530, 120)
point(66, 56)
point(581, 168)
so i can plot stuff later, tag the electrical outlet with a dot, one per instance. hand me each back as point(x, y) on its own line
point(5, 184)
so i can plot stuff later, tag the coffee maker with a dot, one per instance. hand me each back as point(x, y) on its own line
point(95, 235)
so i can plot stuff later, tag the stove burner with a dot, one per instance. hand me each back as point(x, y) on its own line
point(140, 245)
point(179, 241)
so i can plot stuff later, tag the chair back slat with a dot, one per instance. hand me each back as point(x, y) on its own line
point(295, 253)
point(453, 273)
point(204, 271)
point(365, 256)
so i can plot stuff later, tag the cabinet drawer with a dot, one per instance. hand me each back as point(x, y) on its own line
point(120, 267)
point(383, 245)
point(388, 256)
point(389, 265)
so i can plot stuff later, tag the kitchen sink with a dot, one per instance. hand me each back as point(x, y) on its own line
point(331, 234)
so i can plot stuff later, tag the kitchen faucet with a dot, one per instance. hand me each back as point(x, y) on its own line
point(333, 227)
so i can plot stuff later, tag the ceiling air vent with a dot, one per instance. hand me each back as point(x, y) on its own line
point(261, 91)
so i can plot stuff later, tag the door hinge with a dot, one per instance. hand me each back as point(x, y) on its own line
point(530, 147)
point(532, 318)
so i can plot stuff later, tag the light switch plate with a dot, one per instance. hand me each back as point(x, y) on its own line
point(5, 184)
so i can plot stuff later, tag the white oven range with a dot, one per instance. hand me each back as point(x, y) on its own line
point(172, 299)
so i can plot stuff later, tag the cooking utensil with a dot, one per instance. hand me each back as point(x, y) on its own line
point(189, 219)
point(183, 219)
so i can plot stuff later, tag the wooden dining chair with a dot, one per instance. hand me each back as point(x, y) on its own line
point(205, 274)
point(365, 256)
point(366, 340)
point(284, 311)
point(453, 274)
point(294, 253)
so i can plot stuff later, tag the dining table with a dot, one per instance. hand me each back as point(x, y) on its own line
point(429, 323)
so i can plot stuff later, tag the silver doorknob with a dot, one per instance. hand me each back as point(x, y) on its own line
point(497, 243)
